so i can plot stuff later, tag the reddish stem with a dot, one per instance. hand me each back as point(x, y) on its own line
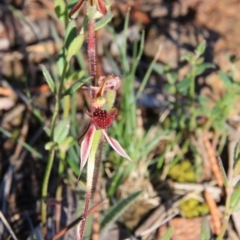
point(85, 214)
point(92, 50)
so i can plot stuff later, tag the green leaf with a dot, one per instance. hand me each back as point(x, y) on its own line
point(157, 67)
point(61, 131)
point(75, 86)
point(205, 230)
point(66, 144)
point(60, 7)
point(116, 211)
point(226, 79)
point(223, 173)
point(51, 146)
point(201, 48)
point(186, 56)
point(61, 61)
point(48, 78)
point(168, 234)
point(235, 199)
point(75, 46)
point(160, 161)
point(237, 159)
point(76, 75)
point(71, 33)
point(184, 85)
point(202, 67)
point(104, 21)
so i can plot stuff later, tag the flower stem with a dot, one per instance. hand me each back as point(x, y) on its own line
point(227, 209)
point(92, 50)
point(44, 191)
point(90, 177)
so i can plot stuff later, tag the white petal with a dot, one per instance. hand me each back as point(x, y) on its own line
point(115, 145)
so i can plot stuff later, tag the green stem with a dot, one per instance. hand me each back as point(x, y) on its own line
point(62, 156)
point(66, 109)
point(227, 211)
point(44, 190)
point(223, 228)
point(58, 99)
point(192, 96)
point(52, 151)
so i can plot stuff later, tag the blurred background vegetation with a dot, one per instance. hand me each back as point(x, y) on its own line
point(179, 119)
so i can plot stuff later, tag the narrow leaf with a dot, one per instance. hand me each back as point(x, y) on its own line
point(201, 48)
point(48, 78)
point(116, 211)
point(60, 7)
point(184, 85)
point(76, 75)
point(61, 61)
point(205, 230)
point(235, 199)
point(168, 234)
point(202, 67)
point(75, 86)
point(237, 159)
point(75, 46)
point(223, 173)
point(61, 131)
point(104, 21)
point(115, 145)
point(225, 78)
point(71, 33)
point(86, 145)
point(186, 57)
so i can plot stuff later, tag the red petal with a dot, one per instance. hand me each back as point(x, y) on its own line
point(83, 133)
point(115, 145)
point(86, 145)
point(101, 7)
point(76, 9)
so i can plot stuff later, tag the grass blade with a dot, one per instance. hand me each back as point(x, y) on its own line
point(48, 77)
point(168, 234)
point(116, 211)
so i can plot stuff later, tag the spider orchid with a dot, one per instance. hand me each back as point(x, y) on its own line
point(100, 119)
point(99, 4)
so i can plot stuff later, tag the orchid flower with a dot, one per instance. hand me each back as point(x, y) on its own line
point(100, 119)
point(99, 4)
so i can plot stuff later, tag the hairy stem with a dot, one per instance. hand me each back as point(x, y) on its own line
point(90, 177)
point(92, 50)
point(85, 214)
point(97, 192)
